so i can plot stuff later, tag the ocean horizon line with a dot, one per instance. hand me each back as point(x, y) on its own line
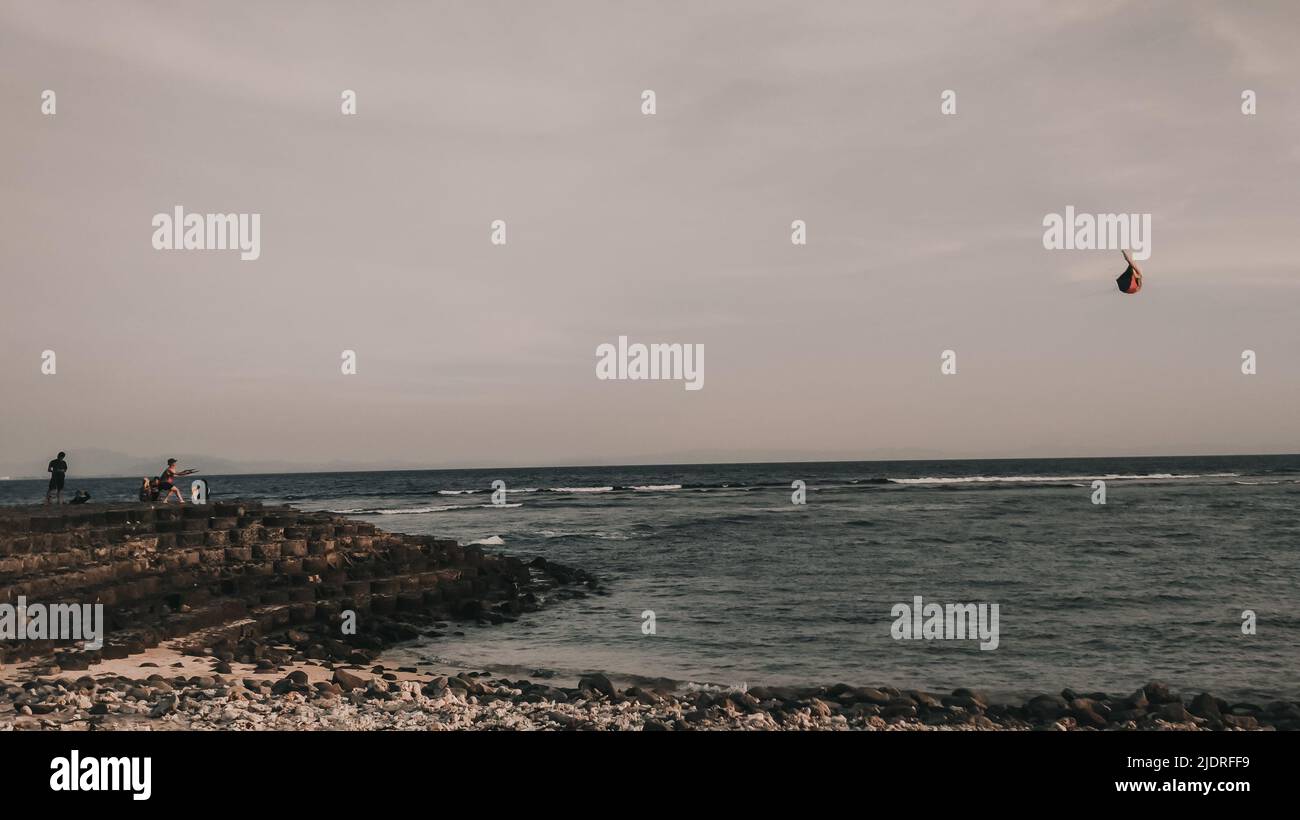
point(650, 464)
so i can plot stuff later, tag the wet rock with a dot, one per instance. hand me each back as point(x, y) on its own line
point(327, 689)
point(742, 700)
point(1158, 693)
point(1084, 710)
point(597, 682)
point(1046, 707)
point(1281, 710)
point(980, 698)
point(565, 721)
point(1125, 715)
point(644, 697)
point(1244, 722)
point(1173, 712)
point(1206, 706)
point(924, 700)
point(870, 695)
point(348, 681)
point(283, 687)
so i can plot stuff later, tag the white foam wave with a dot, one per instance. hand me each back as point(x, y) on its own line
point(657, 487)
point(604, 536)
point(491, 541)
point(581, 489)
point(1009, 479)
point(422, 510)
point(405, 510)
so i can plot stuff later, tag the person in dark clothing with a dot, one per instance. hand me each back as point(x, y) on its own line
point(1130, 281)
point(80, 498)
point(167, 482)
point(58, 469)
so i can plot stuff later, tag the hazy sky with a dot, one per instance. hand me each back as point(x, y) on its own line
point(924, 230)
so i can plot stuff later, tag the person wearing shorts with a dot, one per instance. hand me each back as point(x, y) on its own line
point(58, 470)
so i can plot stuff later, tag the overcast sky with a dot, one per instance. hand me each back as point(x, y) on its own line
point(924, 230)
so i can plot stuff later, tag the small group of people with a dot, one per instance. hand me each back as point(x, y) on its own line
point(164, 486)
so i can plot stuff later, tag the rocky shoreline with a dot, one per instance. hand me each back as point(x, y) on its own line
point(230, 617)
point(312, 695)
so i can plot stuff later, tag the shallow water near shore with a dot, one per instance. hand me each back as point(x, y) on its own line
point(747, 588)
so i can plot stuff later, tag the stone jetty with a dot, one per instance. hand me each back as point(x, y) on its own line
point(227, 578)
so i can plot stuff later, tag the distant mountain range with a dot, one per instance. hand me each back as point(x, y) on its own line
point(93, 462)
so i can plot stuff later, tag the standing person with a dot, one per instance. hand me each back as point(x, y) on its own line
point(167, 482)
point(58, 469)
